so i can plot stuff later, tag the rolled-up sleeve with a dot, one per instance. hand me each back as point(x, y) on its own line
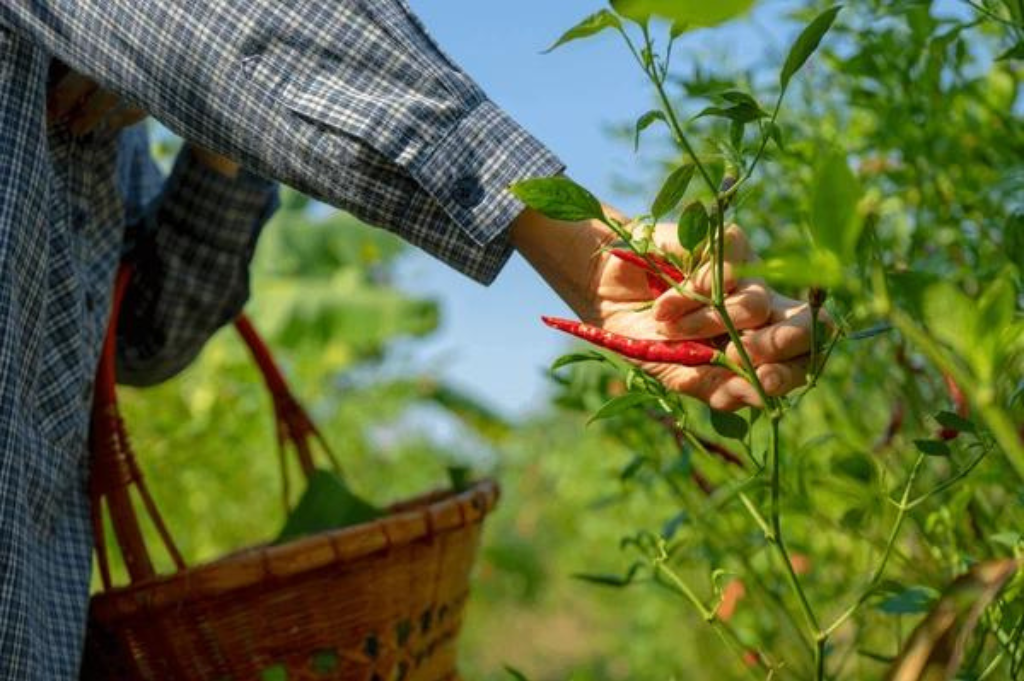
point(349, 101)
point(192, 251)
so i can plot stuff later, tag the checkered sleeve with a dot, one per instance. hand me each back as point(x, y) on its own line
point(349, 101)
point(191, 273)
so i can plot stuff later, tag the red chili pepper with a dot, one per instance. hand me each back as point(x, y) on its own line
point(960, 405)
point(687, 353)
point(654, 280)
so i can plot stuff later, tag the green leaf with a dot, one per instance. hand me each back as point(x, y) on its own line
point(632, 468)
point(736, 132)
point(1015, 52)
point(835, 224)
point(559, 198)
point(910, 601)
point(644, 122)
point(948, 419)
point(687, 12)
point(951, 316)
point(816, 267)
point(806, 44)
point(693, 225)
point(672, 525)
point(932, 447)
point(592, 25)
point(619, 405)
point(615, 581)
point(576, 358)
point(327, 504)
point(1013, 240)
point(741, 113)
point(728, 425)
point(775, 134)
point(516, 674)
point(673, 190)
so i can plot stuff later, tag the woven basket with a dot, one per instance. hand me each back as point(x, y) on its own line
point(381, 601)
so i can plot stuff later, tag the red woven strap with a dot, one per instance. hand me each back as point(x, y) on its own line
point(294, 426)
point(114, 470)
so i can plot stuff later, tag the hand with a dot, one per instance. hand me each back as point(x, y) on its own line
point(86, 107)
point(610, 293)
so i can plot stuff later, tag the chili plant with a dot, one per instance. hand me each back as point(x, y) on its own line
point(748, 486)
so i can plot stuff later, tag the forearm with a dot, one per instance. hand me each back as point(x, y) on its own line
point(569, 256)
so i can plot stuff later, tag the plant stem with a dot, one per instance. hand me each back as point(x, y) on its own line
point(890, 544)
point(817, 638)
point(723, 629)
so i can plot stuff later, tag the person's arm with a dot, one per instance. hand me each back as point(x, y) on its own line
point(349, 101)
point(193, 244)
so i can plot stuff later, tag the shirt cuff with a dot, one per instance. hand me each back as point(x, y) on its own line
point(225, 213)
point(468, 173)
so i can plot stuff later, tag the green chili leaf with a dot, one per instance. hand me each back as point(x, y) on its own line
point(688, 12)
point(577, 358)
point(644, 122)
point(728, 425)
point(616, 581)
point(559, 198)
point(806, 43)
point(516, 674)
point(672, 525)
point(911, 600)
point(948, 419)
point(592, 25)
point(932, 447)
point(742, 113)
point(673, 190)
point(619, 405)
point(632, 468)
point(775, 134)
point(693, 225)
point(835, 225)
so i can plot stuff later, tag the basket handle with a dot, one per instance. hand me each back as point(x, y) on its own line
point(114, 467)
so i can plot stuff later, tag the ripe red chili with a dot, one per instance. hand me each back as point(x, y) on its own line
point(654, 280)
point(687, 353)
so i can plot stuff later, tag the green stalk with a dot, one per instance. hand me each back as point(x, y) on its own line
point(890, 544)
point(814, 630)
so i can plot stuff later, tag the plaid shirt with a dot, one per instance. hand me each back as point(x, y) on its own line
point(349, 101)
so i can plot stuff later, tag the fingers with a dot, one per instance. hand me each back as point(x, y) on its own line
point(724, 390)
point(749, 307)
point(673, 304)
point(67, 95)
point(782, 378)
point(788, 334)
point(93, 112)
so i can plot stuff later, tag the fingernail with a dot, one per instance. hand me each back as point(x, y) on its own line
point(771, 382)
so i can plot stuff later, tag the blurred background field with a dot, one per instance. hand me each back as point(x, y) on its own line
point(409, 368)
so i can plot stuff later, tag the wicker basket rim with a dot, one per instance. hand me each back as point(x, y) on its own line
point(429, 515)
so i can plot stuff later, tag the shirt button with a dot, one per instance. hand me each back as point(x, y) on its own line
point(467, 192)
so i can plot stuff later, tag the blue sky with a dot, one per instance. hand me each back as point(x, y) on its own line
point(492, 342)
